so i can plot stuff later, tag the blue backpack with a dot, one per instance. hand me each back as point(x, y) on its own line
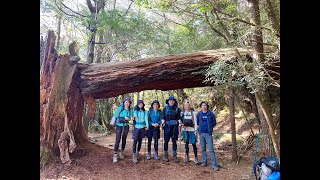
point(272, 163)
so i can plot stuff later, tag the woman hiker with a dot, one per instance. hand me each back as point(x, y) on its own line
point(206, 121)
point(141, 124)
point(154, 118)
point(189, 126)
point(123, 114)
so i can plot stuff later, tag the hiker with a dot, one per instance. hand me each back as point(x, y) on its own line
point(140, 124)
point(206, 121)
point(170, 122)
point(123, 115)
point(189, 126)
point(154, 115)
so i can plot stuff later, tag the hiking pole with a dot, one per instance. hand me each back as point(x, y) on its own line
point(145, 145)
point(179, 138)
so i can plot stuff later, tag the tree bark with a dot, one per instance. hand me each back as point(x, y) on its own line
point(100, 47)
point(232, 123)
point(181, 95)
point(93, 28)
point(59, 28)
point(269, 7)
point(162, 73)
point(266, 113)
point(61, 104)
point(257, 31)
point(258, 56)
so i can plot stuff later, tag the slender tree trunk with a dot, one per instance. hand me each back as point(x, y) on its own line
point(266, 113)
point(181, 95)
point(98, 5)
point(100, 47)
point(269, 7)
point(59, 29)
point(233, 123)
point(258, 56)
point(257, 31)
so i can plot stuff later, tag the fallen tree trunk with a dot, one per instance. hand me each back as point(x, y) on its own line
point(61, 104)
point(161, 73)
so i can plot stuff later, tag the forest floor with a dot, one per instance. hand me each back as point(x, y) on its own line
point(95, 162)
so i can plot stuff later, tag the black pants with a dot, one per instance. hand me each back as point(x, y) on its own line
point(134, 147)
point(173, 133)
point(153, 132)
point(194, 149)
point(118, 137)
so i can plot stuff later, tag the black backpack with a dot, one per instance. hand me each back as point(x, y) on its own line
point(187, 122)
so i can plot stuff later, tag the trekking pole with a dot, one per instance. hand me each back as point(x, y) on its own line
point(162, 140)
point(179, 139)
point(145, 150)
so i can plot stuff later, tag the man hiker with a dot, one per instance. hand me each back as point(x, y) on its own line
point(206, 121)
point(189, 126)
point(140, 124)
point(170, 122)
point(154, 115)
point(123, 115)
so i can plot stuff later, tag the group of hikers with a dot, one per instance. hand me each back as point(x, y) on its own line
point(147, 123)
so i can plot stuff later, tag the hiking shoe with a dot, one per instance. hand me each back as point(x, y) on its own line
point(166, 159)
point(174, 157)
point(203, 164)
point(156, 155)
point(121, 155)
point(186, 159)
point(134, 158)
point(115, 158)
point(215, 168)
point(148, 156)
point(196, 161)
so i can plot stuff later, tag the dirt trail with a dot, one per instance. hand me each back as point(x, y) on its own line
point(96, 163)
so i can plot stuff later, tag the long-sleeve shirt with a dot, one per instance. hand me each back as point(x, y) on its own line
point(123, 113)
point(141, 118)
point(188, 115)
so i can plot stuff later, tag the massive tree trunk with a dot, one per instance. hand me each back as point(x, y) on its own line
point(61, 104)
point(162, 73)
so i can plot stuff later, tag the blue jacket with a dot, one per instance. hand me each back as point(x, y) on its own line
point(123, 113)
point(154, 117)
point(141, 118)
point(211, 121)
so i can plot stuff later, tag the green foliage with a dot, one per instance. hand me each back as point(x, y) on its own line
point(94, 126)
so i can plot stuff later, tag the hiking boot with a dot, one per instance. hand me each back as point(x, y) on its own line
point(166, 159)
point(186, 159)
point(156, 155)
point(115, 158)
point(121, 155)
point(215, 168)
point(134, 158)
point(148, 156)
point(196, 161)
point(203, 164)
point(174, 157)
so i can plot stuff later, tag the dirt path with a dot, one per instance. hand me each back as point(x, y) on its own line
point(97, 164)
